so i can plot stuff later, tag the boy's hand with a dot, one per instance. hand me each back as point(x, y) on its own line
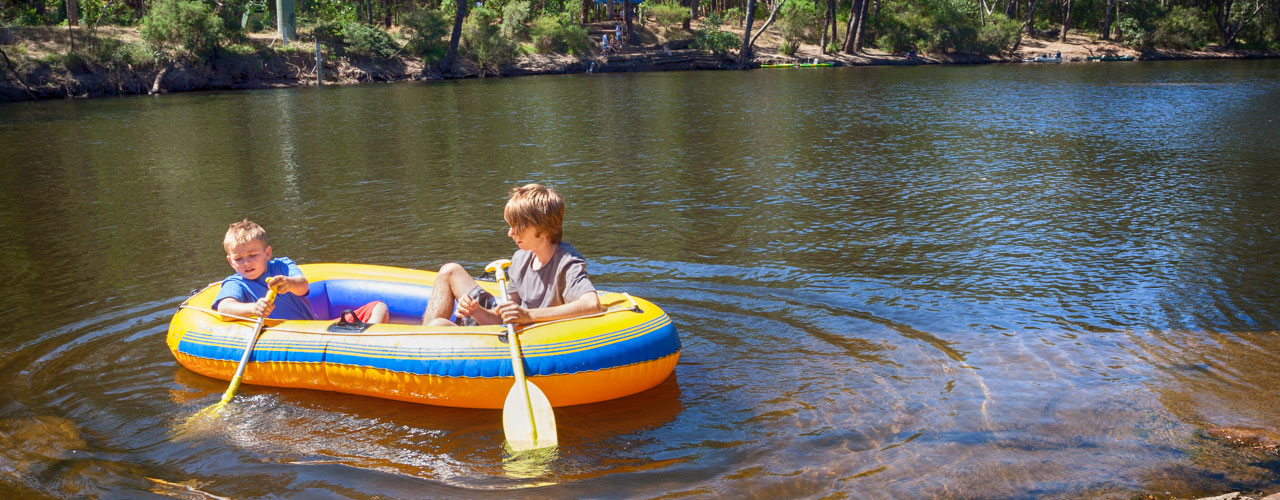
point(468, 306)
point(279, 283)
point(513, 313)
point(263, 308)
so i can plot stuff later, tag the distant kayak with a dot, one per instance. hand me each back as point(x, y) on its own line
point(799, 65)
point(1043, 59)
point(1110, 58)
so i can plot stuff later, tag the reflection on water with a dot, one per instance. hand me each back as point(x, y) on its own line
point(980, 282)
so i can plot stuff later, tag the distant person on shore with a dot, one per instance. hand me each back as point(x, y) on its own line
point(547, 279)
point(617, 30)
point(604, 43)
point(244, 293)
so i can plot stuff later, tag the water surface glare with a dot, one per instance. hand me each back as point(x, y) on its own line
point(958, 282)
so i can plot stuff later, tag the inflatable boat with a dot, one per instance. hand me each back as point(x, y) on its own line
point(628, 347)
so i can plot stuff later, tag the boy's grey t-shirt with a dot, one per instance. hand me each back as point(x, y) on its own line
point(560, 281)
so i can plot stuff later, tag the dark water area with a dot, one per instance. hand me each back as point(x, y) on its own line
point(958, 282)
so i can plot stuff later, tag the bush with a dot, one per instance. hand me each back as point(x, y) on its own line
point(1182, 28)
point(1131, 33)
point(734, 16)
point(669, 15)
point(514, 16)
point(483, 40)
point(712, 38)
point(799, 22)
point(934, 26)
point(999, 34)
point(551, 34)
point(788, 48)
point(428, 31)
point(362, 40)
point(189, 24)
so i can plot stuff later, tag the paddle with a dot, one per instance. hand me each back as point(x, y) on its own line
point(244, 361)
point(527, 417)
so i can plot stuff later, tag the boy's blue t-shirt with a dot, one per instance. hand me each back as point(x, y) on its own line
point(288, 305)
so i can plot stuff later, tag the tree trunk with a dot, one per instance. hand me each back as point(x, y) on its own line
point(1066, 17)
point(826, 26)
point(1228, 28)
point(626, 15)
point(859, 6)
point(586, 11)
point(73, 14)
point(1106, 20)
point(446, 66)
point(862, 26)
point(744, 55)
point(772, 15)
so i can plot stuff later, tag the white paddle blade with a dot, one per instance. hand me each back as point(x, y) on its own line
point(520, 428)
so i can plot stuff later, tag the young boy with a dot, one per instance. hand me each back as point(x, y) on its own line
point(547, 279)
point(244, 293)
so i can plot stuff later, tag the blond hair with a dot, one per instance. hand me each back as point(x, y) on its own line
point(536, 206)
point(243, 232)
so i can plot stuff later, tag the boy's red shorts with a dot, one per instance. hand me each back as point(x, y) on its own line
point(366, 310)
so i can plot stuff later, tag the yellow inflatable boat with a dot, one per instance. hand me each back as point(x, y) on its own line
point(629, 347)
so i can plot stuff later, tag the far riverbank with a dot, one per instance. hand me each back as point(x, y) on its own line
point(38, 63)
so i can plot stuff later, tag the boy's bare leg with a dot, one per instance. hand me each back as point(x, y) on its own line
point(452, 283)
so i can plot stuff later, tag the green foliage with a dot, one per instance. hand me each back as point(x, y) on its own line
point(788, 48)
point(113, 52)
point(514, 15)
point(938, 26)
point(99, 12)
point(552, 34)
point(332, 11)
point(999, 35)
point(799, 22)
point(428, 31)
point(362, 40)
point(1131, 33)
point(483, 40)
point(833, 46)
point(186, 23)
point(712, 38)
point(669, 15)
point(734, 16)
point(1182, 28)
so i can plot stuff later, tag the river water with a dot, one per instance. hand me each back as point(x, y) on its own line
point(959, 282)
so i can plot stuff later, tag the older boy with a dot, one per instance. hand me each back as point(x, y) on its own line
point(547, 279)
point(244, 293)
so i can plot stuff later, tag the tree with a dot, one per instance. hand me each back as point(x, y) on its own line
point(450, 57)
point(1229, 26)
point(1066, 14)
point(744, 55)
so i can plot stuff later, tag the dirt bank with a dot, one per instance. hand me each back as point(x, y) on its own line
point(39, 63)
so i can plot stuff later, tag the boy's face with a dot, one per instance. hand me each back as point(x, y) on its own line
point(527, 238)
point(249, 259)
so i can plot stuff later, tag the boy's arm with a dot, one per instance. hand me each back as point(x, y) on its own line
point(297, 284)
point(234, 307)
point(513, 312)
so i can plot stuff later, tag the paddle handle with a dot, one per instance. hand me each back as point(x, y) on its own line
point(517, 363)
point(248, 351)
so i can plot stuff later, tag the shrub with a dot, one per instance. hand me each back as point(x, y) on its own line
point(799, 22)
point(428, 30)
point(484, 42)
point(551, 34)
point(189, 24)
point(788, 48)
point(117, 53)
point(362, 40)
point(514, 16)
point(998, 35)
point(1131, 33)
point(713, 38)
point(669, 15)
point(1182, 28)
point(734, 16)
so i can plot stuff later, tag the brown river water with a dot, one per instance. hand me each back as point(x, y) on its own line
point(930, 282)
